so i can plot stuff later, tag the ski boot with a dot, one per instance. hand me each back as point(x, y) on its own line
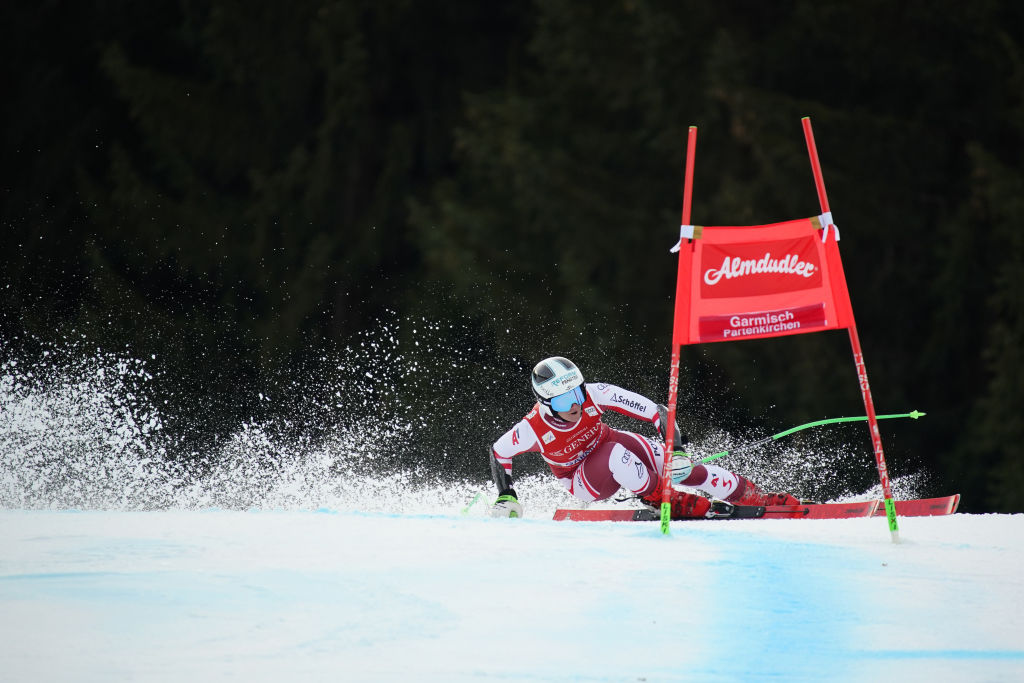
point(749, 494)
point(684, 505)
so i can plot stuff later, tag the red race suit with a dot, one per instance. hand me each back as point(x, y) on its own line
point(565, 446)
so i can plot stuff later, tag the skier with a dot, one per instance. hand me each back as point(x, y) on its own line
point(592, 460)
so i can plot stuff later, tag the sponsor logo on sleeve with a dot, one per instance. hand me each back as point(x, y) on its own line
point(515, 437)
point(628, 402)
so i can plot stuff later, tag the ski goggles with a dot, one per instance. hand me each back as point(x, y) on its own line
point(563, 402)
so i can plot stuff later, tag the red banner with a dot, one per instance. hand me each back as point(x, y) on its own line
point(749, 282)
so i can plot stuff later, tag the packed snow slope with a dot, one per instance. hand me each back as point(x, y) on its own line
point(291, 595)
point(327, 538)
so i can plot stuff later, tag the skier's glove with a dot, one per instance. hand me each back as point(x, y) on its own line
point(682, 466)
point(678, 439)
point(506, 506)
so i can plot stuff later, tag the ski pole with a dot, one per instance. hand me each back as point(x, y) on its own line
point(914, 414)
point(471, 503)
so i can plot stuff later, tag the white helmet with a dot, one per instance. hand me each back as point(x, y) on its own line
point(553, 377)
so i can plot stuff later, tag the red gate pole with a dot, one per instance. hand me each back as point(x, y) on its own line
point(858, 355)
point(682, 299)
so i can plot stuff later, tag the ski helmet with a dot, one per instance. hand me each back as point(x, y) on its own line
point(553, 377)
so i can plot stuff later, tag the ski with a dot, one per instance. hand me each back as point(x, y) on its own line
point(804, 511)
point(651, 515)
point(915, 507)
point(923, 507)
point(863, 508)
point(574, 515)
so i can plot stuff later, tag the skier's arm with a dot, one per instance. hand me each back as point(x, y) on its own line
point(677, 436)
point(519, 439)
point(611, 397)
point(502, 477)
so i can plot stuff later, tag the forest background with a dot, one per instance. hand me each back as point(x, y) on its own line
point(233, 188)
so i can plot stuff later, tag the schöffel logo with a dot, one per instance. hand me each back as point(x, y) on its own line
point(760, 268)
point(628, 402)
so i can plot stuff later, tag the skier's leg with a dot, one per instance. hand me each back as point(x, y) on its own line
point(622, 460)
point(636, 464)
point(593, 479)
point(728, 486)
